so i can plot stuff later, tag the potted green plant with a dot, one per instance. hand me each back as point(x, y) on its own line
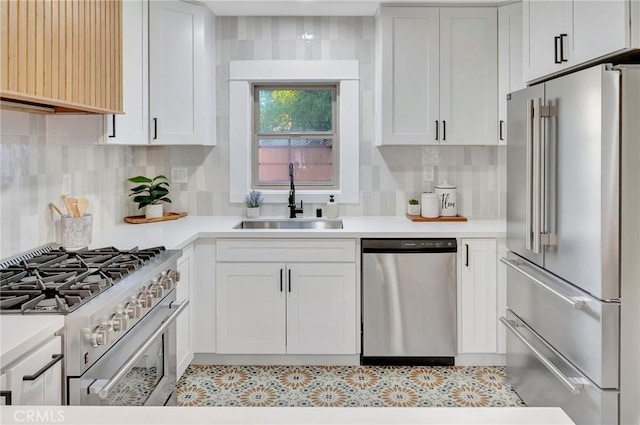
point(253, 200)
point(149, 194)
point(413, 207)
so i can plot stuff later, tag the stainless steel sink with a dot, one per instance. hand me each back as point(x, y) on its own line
point(297, 223)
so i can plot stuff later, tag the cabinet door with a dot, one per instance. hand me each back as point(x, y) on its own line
point(409, 78)
point(321, 309)
point(179, 95)
point(5, 392)
point(132, 127)
point(184, 350)
point(250, 305)
point(43, 385)
point(544, 22)
point(510, 76)
point(477, 307)
point(599, 28)
point(468, 76)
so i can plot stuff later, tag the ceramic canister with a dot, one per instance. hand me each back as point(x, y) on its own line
point(430, 205)
point(447, 197)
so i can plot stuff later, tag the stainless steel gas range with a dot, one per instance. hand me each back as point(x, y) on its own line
point(120, 309)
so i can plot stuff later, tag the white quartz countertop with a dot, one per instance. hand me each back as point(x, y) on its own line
point(289, 415)
point(177, 234)
point(20, 334)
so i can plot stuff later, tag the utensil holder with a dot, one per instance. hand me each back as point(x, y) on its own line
point(76, 231)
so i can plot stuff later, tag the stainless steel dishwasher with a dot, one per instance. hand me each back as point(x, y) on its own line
point(409, 301)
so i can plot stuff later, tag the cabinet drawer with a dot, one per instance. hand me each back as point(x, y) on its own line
point(36, 379)
point(287, 250)
point(529, 364)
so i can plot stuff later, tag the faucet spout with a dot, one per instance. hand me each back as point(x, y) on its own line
point(293, 210)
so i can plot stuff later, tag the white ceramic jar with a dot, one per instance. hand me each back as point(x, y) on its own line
point(430, 205)
point(447, 196)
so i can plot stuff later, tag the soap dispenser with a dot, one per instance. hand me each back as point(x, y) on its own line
point(332, 208)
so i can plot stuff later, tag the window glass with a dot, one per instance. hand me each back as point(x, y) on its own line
point(295, 124)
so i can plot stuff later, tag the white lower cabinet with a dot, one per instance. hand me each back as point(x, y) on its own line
point(477, 297)
point(321, 309)
point(184, 350)
point(286, 296)
point(36, 379)
point(282, 308)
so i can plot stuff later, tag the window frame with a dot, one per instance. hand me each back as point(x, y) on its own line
point(334, 134)
point(242, 74)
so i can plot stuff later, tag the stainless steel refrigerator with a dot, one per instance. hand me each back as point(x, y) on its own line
point(573, 235)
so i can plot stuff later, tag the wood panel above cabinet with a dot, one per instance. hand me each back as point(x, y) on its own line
point(64, 55)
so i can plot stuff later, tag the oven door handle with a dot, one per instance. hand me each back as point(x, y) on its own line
point(102, 387)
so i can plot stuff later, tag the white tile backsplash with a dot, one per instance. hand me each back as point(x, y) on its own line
point(31, 170)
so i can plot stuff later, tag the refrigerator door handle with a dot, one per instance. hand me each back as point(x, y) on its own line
point(529, 178)
point(575, 302)
point(575, 385)
point(538, 170)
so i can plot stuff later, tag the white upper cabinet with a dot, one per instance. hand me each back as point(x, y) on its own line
point(437, 78)
point(546, 27)
point(181, 73)
point(132, 127)
point(562, 34)
point(409, 61)
point(168, 75)
point(599, 28)
point(468, 76)
point(510, 76)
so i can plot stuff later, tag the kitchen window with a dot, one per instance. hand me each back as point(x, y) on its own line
point(297, 124)
point(309, 147)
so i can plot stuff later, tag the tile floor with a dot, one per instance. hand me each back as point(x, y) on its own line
point(352, 386)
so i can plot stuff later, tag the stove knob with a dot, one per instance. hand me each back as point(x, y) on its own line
point(156, 288)
point(174, 275)
point(101, 335)
point(133, 308)
point(120, 320)
point(166, 280)
point(145, 298)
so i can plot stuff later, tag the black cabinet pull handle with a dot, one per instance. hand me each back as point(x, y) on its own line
point(437, 129)
point(55, 359)
point(555, 50)
point(7, 397)
point(155, 128)
point(113, 126)
point(466, 260)
point(289, 280)
point(444, 130)
point(562, 58)
point(501, 124)
point(280, 280)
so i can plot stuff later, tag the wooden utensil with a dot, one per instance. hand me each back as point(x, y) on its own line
point(65, 201)
point(73, 206)
point(56, 209)
point(83, 206)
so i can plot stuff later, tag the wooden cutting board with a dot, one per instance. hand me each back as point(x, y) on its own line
point(140, 219)
point(457, 218)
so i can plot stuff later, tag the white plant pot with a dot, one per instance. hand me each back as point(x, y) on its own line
point(413, 209)
point(253, 212)
point(153, 211)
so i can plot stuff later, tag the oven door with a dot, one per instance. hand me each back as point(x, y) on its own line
point(140, 369)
